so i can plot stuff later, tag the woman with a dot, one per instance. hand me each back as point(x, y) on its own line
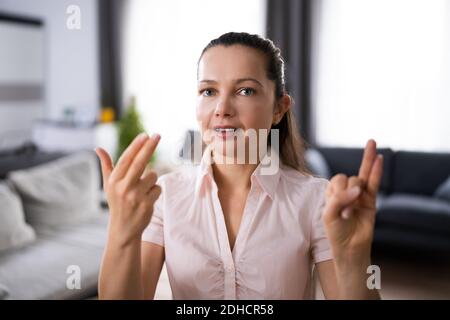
point(226, 229)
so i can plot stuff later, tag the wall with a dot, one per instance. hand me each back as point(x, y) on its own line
point(71, 65)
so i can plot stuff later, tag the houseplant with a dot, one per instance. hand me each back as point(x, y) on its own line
point(128, 127)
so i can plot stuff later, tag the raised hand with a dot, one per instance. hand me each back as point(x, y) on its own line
point(130, 189)
point(349, 214)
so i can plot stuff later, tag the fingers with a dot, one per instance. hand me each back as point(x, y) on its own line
point(141, 160)
point(343, 192)
point(339, 200)
point(106, 164)
point(128, 155)
point(353, 181)
point(370, 153)
point(148, 181)
point(340, 195)
point(146, 205)
point(339, 182)
point(375, 176)
point(154, 193)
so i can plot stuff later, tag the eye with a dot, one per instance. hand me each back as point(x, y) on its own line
point(208, 92)
point(247, 91)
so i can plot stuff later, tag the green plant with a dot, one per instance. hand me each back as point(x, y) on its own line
point(129, 126)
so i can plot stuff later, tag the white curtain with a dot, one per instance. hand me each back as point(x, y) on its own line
point(163, 41)
point(382, 70)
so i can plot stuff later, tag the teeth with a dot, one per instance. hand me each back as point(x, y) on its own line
point(225, 130)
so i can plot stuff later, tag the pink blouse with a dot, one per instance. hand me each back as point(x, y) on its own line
point(280, 237)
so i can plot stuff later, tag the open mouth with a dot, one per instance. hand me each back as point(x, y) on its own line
point(220, 130)
point(225, 132)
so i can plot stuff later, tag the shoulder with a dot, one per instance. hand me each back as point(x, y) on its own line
point(307, 192)
point(178, 183)
point(301, 188)
point(298, 180)
point(182, 174)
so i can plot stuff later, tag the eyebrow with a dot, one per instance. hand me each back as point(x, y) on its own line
point(237, 81)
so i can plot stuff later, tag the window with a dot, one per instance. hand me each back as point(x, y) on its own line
point(164, 39)
point(382, 70)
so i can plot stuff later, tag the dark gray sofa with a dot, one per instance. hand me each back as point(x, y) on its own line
point(409, 215)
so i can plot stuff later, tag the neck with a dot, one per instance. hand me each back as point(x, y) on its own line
point(233, 177)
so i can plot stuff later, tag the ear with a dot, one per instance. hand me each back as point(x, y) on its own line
point(282, 105)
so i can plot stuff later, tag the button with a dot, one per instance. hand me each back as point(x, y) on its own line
point(229, 269)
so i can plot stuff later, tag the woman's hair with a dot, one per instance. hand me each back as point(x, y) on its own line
point(292, 146)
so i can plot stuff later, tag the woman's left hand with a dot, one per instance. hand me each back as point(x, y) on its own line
point(349, 214)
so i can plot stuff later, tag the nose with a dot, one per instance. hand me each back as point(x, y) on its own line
point(224, 108)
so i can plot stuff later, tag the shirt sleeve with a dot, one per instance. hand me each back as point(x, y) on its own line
point(154, 232)
point(320, 245)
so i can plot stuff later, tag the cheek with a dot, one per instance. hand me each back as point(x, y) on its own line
point(198, 113)
point(258, 116)
point(203, 114)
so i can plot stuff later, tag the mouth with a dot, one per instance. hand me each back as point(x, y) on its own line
point(225, 132)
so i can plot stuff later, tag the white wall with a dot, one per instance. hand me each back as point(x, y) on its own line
point(21, 60)
point(71, 63)
point(381, 70)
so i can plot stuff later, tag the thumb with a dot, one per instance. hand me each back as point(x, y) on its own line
point(105, 162)
point(337, 202)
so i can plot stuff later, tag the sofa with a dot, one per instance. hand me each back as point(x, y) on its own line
point(57, 229)
point(413, 205)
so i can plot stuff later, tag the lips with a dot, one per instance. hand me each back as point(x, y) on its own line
point(225, 132)
point(224, 128)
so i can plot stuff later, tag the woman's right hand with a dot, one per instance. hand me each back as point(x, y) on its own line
point(130, 190)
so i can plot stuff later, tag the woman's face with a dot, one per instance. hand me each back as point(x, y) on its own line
point(234, 93)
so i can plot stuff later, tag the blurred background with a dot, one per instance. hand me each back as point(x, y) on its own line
point(84, 73)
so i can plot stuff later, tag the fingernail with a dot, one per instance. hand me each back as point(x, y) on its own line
point(155, 136)
point(142, 136)
point(354, 191)
point(346, 214)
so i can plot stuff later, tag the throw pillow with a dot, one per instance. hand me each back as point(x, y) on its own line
point(64, 191)
point(443, 191)
point(14, 232)
point(316, 162)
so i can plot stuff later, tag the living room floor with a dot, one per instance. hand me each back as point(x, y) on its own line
point(414, 276)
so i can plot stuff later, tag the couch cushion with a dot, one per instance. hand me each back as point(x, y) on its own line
point(38, 271)
point(64, 191)
point(4, 292)
point(317, 163)
point(14, 232)
point(443, 191)
point(348, 161)
point(402, 238)
point(420, 172)
point(416, 212)
point(24, 157)
point(91, 233)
